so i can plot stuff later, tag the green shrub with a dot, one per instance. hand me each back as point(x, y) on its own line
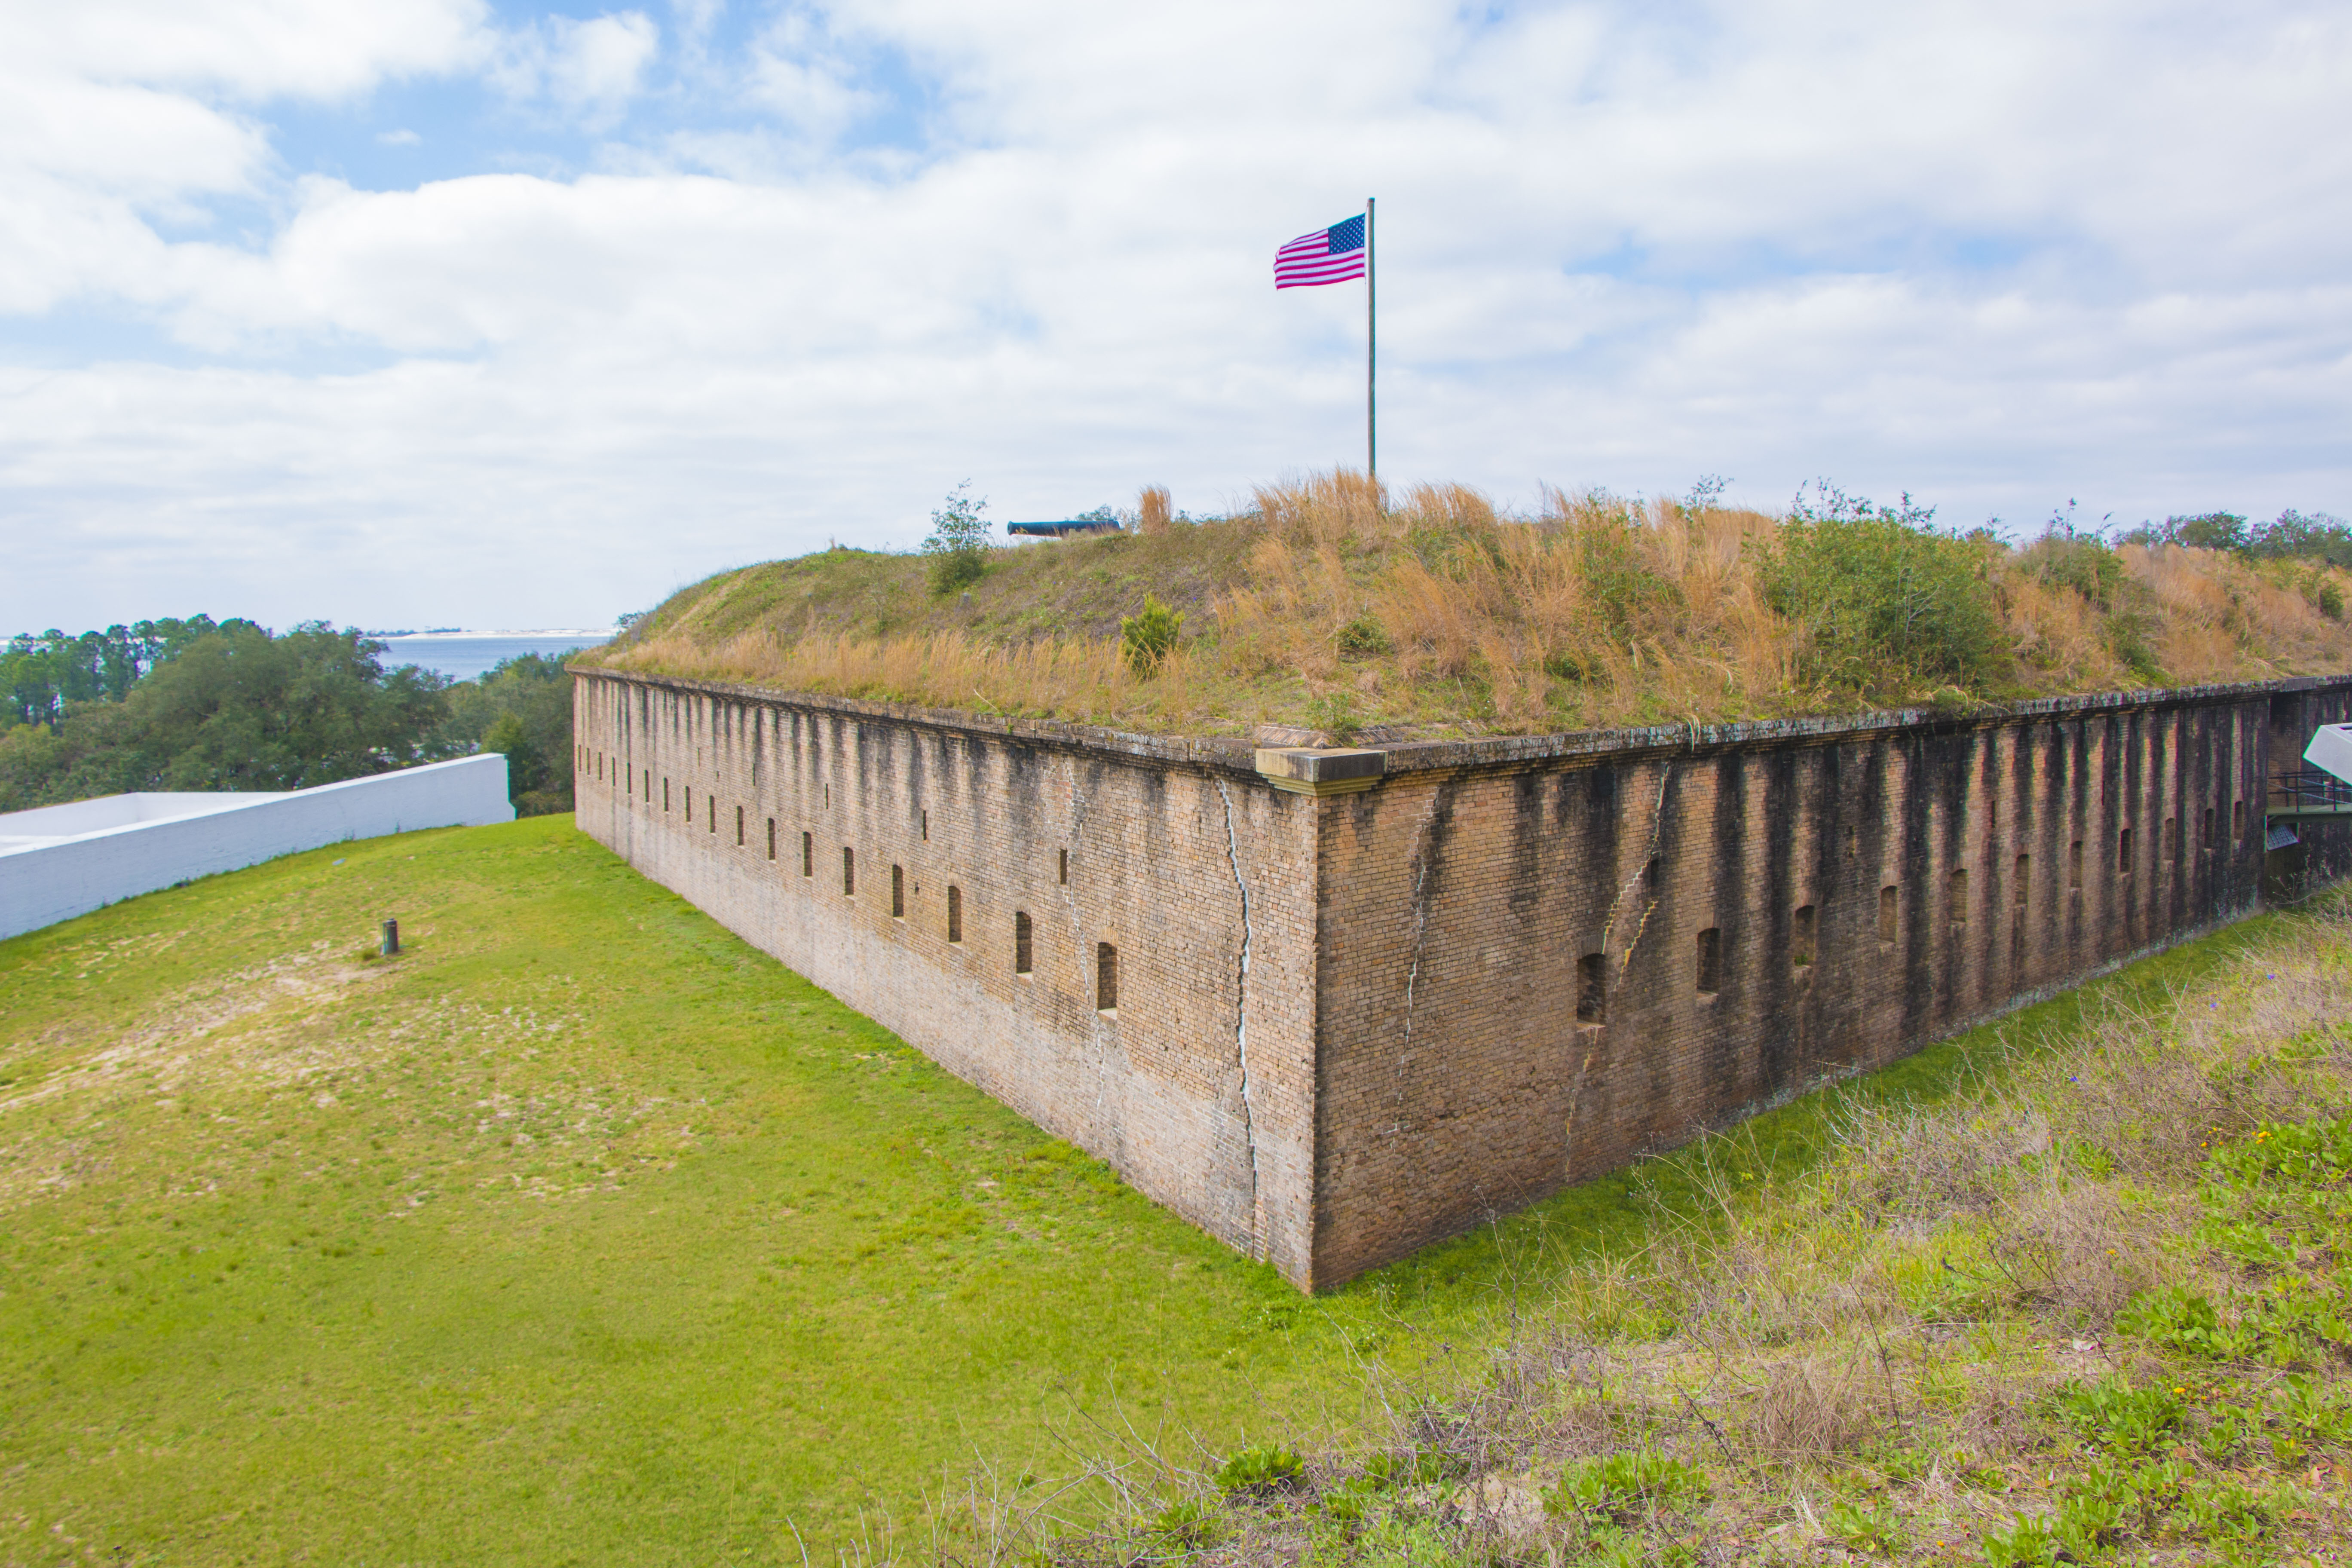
point(1621, 590)
point(1260, 1469)
point(2112, 1414)
point(1883, 598)
point(2024, 1543)
point(2178, 1319)
point(1621, 1485)
point(958, 546)
point(2063, 558)
point(1875, 1527)
point(1190, 1525)
point(2127, 635)
point(1363, 636)
point(1147, 637)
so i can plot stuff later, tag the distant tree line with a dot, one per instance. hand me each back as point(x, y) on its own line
point(197, 704)
point(40, 675)
point(2291, 536)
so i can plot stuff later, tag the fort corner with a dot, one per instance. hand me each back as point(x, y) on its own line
point(1333, 1003)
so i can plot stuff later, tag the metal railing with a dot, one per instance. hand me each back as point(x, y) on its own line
point(2310, 787)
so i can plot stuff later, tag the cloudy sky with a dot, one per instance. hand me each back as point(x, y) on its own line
point(403, 313)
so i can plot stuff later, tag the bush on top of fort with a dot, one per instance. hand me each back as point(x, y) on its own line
point(1334, 606)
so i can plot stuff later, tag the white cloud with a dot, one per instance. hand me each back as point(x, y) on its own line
point(250, 50)
point(801, 74)
point(1998, 254)
point(402, 138)
point(590, 68)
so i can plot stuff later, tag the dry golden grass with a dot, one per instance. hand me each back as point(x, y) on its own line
point(1330, 605)
point(1865, 1348)
point(1152, 515)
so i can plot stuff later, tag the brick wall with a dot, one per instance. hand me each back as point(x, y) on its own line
point(1197, 1086)
point(1509, 965)
point(1759, 913)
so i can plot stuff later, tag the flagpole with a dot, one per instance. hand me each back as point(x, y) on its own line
point(1372, 353)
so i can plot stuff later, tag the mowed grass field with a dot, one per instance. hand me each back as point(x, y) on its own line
point(582, 1232)
point(585, 1233)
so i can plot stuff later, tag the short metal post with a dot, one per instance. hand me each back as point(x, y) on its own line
point(390, 938)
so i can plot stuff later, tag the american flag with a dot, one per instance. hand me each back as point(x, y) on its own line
point(1331, 255)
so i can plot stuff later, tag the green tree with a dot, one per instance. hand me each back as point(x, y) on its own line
point(2209, 531)
point(2292, 535)
point(232, 708)
point(40, 675)
point(523, 708)
point(958, 543)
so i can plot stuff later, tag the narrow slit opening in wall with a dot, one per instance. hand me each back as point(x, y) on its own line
point(739, 827)
point(1066, 867)
point(1800, 938)
point(771, 838)
point(955, 913)
point(1021, 948)
point(848, 871)
point(1889, 914)
point(1710, 962)
point(2023, 877)
point(1958, 883)
point(1593, 988)
point(926, 827)
point(897, 893)
point(2172, 839)
point(2074, 864)
point(808, 854)
point(2123, 855)
point(665, 795)
point(2205, 830)
point(1105, 978)
point(689, 789)
point(2237, 819)
point(710, 805)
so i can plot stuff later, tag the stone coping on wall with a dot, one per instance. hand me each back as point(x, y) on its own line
point(1289, 767)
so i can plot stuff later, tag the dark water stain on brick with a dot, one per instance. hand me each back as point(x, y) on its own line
point(1419, 952)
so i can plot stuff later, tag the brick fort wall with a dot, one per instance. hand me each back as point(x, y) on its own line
point(1351, 1019)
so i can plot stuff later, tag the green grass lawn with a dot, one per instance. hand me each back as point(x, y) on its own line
point(585, 1233)
point(582, 1232)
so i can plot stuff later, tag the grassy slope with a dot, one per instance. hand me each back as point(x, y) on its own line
point(1076, 587)
point(1433, 618)
point(585, 1233)
point(582, 1233)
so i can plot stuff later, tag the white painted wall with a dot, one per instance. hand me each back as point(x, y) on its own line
point(59, 861)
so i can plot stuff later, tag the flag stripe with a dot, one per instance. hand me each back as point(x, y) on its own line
point(1332, 255)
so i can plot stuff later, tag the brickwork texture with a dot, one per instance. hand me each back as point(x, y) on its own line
point(1332, 1030)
